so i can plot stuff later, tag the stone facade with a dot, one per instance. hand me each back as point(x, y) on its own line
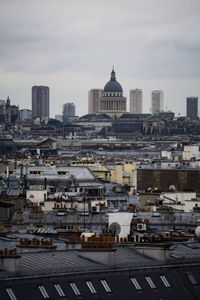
point(112, 101)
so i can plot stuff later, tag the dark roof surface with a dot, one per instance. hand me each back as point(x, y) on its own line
point(135, 117)
point(75, 274)
point(113, 86)
point(95, 117)
point(66, 261)
point(157, 283)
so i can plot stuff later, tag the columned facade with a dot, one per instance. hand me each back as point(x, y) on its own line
point(112, 101)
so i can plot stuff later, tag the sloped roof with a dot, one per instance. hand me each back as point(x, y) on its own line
point(80, 173)
point(96, 117)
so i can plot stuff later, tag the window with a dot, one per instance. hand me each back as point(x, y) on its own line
point(91, 287)
point(11, 294)
point(191, 279)
point(150, 282)
point(59, 290)
point(75, 289)
point(35, 172)
point(136, 284)
point(43, 291)
point(165, 281)
point(62, 173)
point(106, 286)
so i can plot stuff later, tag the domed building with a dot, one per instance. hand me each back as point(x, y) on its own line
point(112, 101)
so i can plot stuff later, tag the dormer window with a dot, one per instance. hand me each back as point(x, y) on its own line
point(61, 173)
point(35, 172)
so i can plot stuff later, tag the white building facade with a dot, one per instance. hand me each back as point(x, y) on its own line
point(157, 101)
point(136, 101)
point(191, 151)
point(94, 96)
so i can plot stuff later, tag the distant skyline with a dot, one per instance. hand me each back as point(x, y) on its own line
point(71, 46)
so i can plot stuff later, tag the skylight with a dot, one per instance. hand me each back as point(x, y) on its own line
point(11, 294)
point(106, 286)
point(59, 290)
point(91, 287)
point(43, 292)
point(192, 279)
point(75, 288)
point(136, 284)
point(165, 281)
point(150, 282)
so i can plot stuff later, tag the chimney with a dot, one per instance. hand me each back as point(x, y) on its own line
point(45, 183)
point(9, 260)
point(157, 251)
point(98, 249)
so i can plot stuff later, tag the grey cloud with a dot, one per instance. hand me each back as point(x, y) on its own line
point(146, 40)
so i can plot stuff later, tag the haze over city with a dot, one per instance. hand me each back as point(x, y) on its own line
point(71, 47)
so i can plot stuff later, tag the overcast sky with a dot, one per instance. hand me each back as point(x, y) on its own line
point(71, 45)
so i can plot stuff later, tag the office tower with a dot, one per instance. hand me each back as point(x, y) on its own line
point(2, 111)
point(112, 101)
point(68, 112)
point(40, 102)
point(157, 100)
point(136, 101)
point(94, 96)
point(192, 107)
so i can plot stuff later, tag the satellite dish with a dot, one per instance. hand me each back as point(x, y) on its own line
point(115, 228)
point(197, 231)
point(172, 188)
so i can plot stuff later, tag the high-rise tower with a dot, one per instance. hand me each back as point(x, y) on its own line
point(136, 101)
point(69, 111)
point(40, 102)
point(94, 96)
point(157, 101)
point(192, 107)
